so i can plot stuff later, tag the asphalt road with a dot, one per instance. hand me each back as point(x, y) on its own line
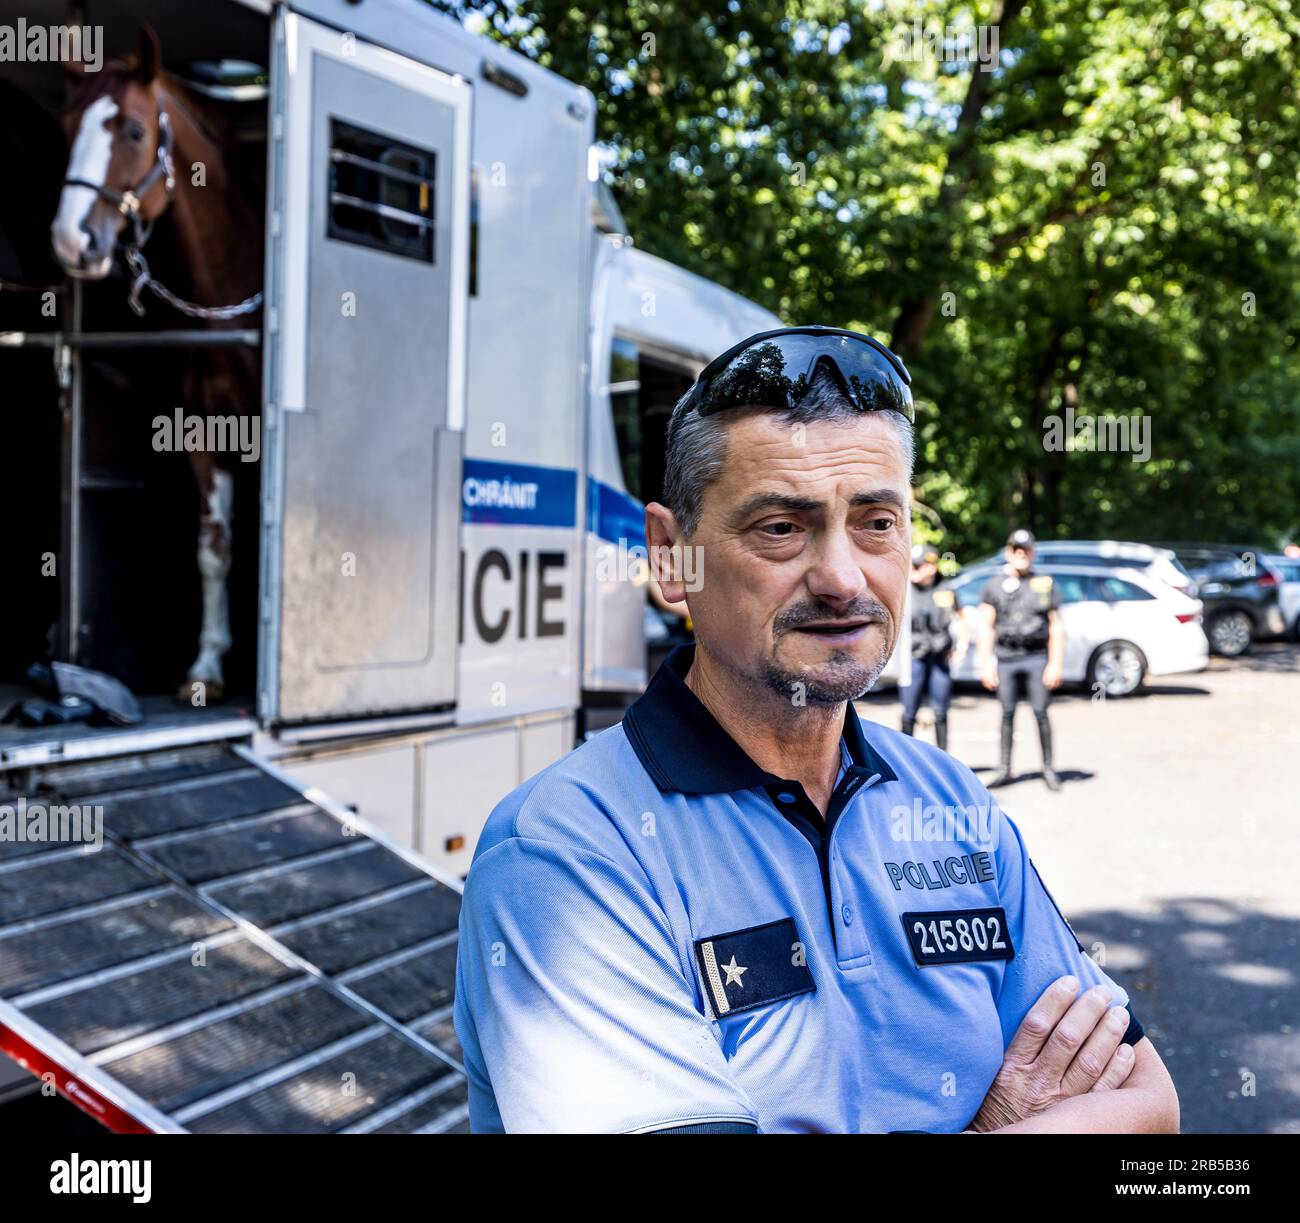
point(1175, 846)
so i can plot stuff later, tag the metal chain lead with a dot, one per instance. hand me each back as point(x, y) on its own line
point(143, 279)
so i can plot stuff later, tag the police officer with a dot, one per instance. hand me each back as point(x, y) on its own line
point(1020, 618)
point(734, 912)
point(932, 645)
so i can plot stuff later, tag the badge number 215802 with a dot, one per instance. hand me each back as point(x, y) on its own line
point(958, 935)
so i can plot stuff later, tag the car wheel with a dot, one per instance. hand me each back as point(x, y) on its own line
point(1118, 667)
point(1230, 633)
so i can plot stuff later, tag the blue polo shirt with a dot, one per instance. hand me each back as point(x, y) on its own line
point(657, 933)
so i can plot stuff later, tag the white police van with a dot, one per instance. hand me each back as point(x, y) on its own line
point(535, 376)
point(521, 387)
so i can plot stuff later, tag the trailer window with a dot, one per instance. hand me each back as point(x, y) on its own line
point(381, 192)
point(624, 399)
point(643, 390)
point(662, 385)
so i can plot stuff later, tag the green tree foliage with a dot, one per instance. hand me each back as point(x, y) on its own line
point(1106, 221)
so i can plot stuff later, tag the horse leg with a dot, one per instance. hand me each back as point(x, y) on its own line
point(216, 507)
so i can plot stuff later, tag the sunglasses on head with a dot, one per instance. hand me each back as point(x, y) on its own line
point(775, 369)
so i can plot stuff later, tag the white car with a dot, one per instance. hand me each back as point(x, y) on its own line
point(1110, 555)
point(1287, 569)
point(1120, 626)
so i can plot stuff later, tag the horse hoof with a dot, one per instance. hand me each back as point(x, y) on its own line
point(199, 692)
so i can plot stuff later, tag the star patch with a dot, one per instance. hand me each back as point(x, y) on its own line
point(749, 968)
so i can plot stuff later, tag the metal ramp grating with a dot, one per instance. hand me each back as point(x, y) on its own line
point(238, 956)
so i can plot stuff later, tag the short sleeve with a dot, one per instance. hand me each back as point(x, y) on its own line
point(990, 592)
point(1054, 601)
point(1045, 946)
point(573, 1007)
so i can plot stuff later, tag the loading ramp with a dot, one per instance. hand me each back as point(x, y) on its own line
point(239, 954)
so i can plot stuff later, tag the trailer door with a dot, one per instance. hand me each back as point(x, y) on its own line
point(367, 266)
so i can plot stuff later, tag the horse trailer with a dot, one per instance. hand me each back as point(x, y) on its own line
point(432, 584)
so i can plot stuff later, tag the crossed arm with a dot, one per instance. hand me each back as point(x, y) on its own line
point(1066, 1071)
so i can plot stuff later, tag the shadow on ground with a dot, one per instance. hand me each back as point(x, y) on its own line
point(1265, 657)
point(1217, 987)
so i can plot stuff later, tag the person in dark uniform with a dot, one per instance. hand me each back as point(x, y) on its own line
point(1020, 622)
point(933, 644)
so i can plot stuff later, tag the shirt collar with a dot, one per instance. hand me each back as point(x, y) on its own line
point(683, 747)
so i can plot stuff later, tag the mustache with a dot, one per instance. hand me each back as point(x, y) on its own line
point(809, 613)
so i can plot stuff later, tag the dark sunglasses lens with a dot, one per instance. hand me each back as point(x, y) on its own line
point(777, 372)
point(769, 373)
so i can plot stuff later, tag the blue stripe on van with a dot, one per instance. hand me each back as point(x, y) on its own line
point(612, 515)
point(518, 493)
point(527, 495)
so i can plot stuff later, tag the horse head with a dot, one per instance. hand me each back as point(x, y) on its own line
point(119, 170)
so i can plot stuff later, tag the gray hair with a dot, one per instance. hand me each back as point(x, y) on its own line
point(697, 445)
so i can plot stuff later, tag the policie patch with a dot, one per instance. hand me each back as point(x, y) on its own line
point(749, 968)
point(958, 936)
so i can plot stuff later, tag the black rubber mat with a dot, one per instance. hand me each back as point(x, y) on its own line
point(431, 1111)
point(199, 857)
point(79, 878)
point(67, 949)
point(412, 987)
point(193, 805)
point(105, 779)
point(345, 941)
point(11, 851)
point(286, 895)
point(332, 1094)
point(207, 1060)
point(127, 1006)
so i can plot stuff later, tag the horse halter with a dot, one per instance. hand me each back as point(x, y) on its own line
point(128, 202)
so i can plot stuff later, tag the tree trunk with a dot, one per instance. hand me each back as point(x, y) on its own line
point(914, 315)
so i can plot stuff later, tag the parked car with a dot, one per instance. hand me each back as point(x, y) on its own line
point(1112, 554)
point(1120, 626)
point(1240, 592)
point(1287, 569)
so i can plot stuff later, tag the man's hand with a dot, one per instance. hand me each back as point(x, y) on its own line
point(989, 675)
point(1065, 1046)
point(1052, 675)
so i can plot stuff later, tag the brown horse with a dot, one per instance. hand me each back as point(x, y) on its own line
point(142, 145)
